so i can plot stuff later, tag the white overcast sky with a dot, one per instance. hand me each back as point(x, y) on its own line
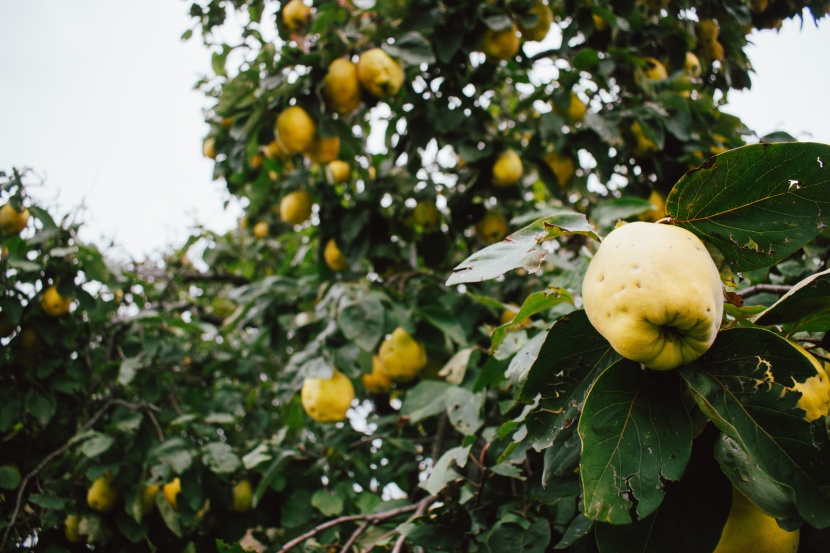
point(97, 97)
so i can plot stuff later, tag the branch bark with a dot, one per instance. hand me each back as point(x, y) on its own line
point(760, 288)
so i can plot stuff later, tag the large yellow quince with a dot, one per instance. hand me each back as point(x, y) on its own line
point(401, 356)
point(242, 496)
point(295, 207)
point(338, 171)
point(13, 221)
point(655, 294)
point(544, 18)
point(491, 228)
point(324, 149)
point(101, 495)
point(333, 257)
point(171, 491)
point(507, 170)
point(748, 529)
point(53, 303)
point(501, 45)
point(341, 87)
point(815, 391)
point(378, 381)
point(563, 167)
point(327, 399)
point(295, 130)
point(379, 74)
point(295, 14)
point(655, 70)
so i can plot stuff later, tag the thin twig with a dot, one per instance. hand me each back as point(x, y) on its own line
point(422, 507)
point(760, 288)
point(46, 460)
point(370, 517)
point(353, 538)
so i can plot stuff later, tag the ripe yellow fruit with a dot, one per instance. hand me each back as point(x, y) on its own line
point(544, 18)
point(491, 228)
point(295, 207)
point(711, 51)
point(501, 45)
point(256, 161)
point(659, 202)
point(644, 146)
point(327, 399)
point(13, 221)
point(692, 65)
point(379, 74)
point(334, 258)
point(295, 129)
point(600, 25)
point(261, 230)
point(507, 170)
point(655, 294)
point(815, 391)
point(426, 215)
point(341, 87)
point(71, 528)
point(295, 14)
point(749, 529)
point(324, 149)
point(171, 491)
point(53, 303)
point(338, 171)
point(510, 313)
point(401, 356)
point(563, 167)
point(209, 147)
point(378, 381)
point(655, 70)
point(276, 150)
point(707, 31)
point(242, 497)
point(148, 498)
point(101, 496)
point(576, 109)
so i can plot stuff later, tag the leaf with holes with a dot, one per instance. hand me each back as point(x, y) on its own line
point(636, 435)
point(757, 204)
point(805, 308)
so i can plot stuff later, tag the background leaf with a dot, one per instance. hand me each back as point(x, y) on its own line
point(805, 308)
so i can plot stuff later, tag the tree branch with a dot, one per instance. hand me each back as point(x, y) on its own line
point(422, 507)
point(368, 517)
point(760, 288)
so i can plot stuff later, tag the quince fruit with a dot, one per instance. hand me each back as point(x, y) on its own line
point(815, 391)
point(749, 529)
point(540, 29)
point(507, 170)
point(426, 215)
point(295, 14)
point(101, 495)
point(13, 221)
point(260, 230)
point(295, 207)
point(327, 399)
point(600, 25)
point(242, 496)
point(53, 303)
point(209, 147)
point(295, 130)
point(563, 167)
point(576, 109)
point(692, 65)
point(401, 356)
point(341, 86)
point(71, 528)
point(338, 171)
point(644, 146)
point(171, 491)
point(333, 257)
point(501, 45)
point(655, 70)
point(148, 498)
point(379, 74)
point(655, 294)
point(510, 313)
point(378, 381)
point(324, 149)
point(491, 228)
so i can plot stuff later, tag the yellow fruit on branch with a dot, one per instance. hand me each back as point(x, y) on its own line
point(541, 27)
point(338, 171)
point(563, 167)
point(209, 147)
point(275, 150)
point(295, 130)
point(378, 381)
point(507, 170)
point(644, 146)
point(379, 74)
point(815, 391)
point(491, 228)
point(333, 257)
point(53, 303)
point(707, 31)
point(501, 45)
point(401, 356)
point(711, 51)
point(71, 528)
point(600, 25)
point(655, 294)
point(295, 15)
point(171, 492)
point(426, 215)
point(655, 70)
point(295, 207)
point(748, 529)
point(510, 313)
point(101, 496)
point(327, 399)
point(341, 86)
point(692, 65)
point(260, 230)
point(13, 221)
point(242, 497)
point(324, 149)
point(576, 109)
point(148, 498)
point(659, 202)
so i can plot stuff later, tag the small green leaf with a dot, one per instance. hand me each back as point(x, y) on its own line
point(9, 477)
point(412, 48)
point(41, 407)
point(536, 303)
point(96, 444)
point(805, 308)
point(220, 458)
point(363, 321)
point(327, 502)
point(507, 537)
point(443, 470)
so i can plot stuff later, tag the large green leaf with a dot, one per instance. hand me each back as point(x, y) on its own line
point(521, 249)
point(573, 354)
point(805, 308)
point(636, 435)
point(742, 383)
point(757, 204)
point(538, 302)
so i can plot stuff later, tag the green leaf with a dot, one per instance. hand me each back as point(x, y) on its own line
point(175, 453)
point(522, 249)
point(220, 458)
point(128, 369)
point(536, 303)
point(41, 407)
point(742, 384)
point(434, 537)
point(47, 501)
point(608, 212)
point(443, 471)
point(327, 502)
point(363, 321)
point(412, 48)
point(9, 477)
point(757, 204)
point(507, 537)
point(96, 444)
point(464, 409)
point(636, 435)
point(805, 308)
point(426, 399)
point(168, 514)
